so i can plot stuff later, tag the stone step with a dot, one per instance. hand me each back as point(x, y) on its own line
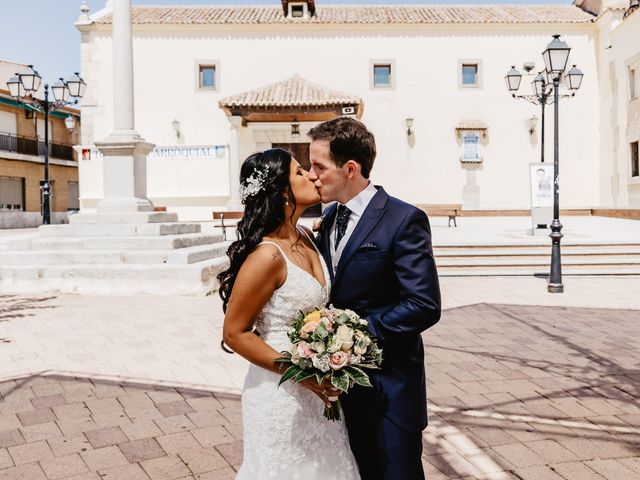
point(198, 254)
point(120, 218)
point(542, 271)
point(523, 261)
point(185, 255)
point(536, 251)
point(533, 243)
point(118, 230)
point(121, 279)
point(164, 242)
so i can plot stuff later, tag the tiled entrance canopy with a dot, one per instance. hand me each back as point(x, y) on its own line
point(294, 97)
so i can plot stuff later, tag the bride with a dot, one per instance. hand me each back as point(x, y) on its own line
point(275, 271)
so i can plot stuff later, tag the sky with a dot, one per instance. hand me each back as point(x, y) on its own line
point(41, 32)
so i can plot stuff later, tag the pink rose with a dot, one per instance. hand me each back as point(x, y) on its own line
point(304, 350)
point(308, 328)
point(338, 360)
point(328, 324)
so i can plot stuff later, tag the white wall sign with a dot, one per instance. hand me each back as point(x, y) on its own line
point(171, 152)
point(541, 176)
point(471, 147)
point(193, 151)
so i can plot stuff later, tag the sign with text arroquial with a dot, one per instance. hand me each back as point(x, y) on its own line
point(173, 152)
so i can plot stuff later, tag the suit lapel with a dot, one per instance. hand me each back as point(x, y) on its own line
point(370, 218)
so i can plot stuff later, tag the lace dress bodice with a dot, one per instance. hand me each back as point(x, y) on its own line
point(301, 291)
point(285, 433)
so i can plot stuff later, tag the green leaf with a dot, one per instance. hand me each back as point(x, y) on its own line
point(340, 380)
point(303, 376)
point(286, 358)
point(321, 331)
point(305, 363)
point(292, 371)
point(369, 366)
point(359, 376)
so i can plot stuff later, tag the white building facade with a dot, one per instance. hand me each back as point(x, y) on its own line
point(214, 84)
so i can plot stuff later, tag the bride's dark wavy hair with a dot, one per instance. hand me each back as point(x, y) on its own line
point(263, 211)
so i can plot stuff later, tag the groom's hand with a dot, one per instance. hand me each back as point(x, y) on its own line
point(323, 390)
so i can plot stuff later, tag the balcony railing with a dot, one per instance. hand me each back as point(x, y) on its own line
point(33, 146)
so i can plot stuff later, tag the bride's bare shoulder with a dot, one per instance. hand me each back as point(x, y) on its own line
point(265, 261)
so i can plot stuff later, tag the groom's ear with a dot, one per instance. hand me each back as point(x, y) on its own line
point(353, 168)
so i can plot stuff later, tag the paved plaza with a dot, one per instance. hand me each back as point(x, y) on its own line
point(522, 384)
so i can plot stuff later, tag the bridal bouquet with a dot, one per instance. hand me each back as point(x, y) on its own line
point(331, 344)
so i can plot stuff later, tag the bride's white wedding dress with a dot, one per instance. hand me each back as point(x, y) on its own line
point(285, 433)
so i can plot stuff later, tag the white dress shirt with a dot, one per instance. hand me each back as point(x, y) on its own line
point(357, 205)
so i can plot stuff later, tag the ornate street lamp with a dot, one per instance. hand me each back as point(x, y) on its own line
point(295, 130)
point(70, 123)
point(513, 78)
point(15, 87)
point(24, 87)
point(539, 84)
point(556, 56)
point(409, 123)
point(575, 78)
point(543, 85)
point(60, 91)
point(30, 81)
point(533, 123)
point(633, 5)
point(76, 85)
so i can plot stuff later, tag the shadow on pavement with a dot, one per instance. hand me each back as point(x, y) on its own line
point(529, 387)
point(13, 306)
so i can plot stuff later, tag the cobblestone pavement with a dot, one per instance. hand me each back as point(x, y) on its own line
point(515, 392)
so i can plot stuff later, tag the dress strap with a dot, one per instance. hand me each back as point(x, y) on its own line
point(268, 242)
point(306, 234)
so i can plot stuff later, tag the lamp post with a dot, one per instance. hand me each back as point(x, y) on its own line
point(546, 83)
point(24, 87)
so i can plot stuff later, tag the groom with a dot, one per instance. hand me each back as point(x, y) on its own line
point(378, 250)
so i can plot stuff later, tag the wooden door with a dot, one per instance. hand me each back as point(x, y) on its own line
point(300, 152)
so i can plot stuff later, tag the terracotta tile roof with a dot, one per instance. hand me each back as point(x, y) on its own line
point(471, 124)
point(359, 14)
point(292, 92)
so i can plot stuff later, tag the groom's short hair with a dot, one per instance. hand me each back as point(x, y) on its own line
point(348, 139)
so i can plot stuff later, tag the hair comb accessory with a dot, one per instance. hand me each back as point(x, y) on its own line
point(254, 183)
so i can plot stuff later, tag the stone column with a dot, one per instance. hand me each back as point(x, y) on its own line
point(234, 165)
point(124, 151)
point(122, 36)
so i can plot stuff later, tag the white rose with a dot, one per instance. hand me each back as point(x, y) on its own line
point(344, 338)
point(333, 346)
point(318, 347)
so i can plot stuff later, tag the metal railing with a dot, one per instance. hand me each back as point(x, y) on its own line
point(34, 146)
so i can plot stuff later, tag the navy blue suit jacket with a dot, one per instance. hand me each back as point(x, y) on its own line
point(387, 275)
